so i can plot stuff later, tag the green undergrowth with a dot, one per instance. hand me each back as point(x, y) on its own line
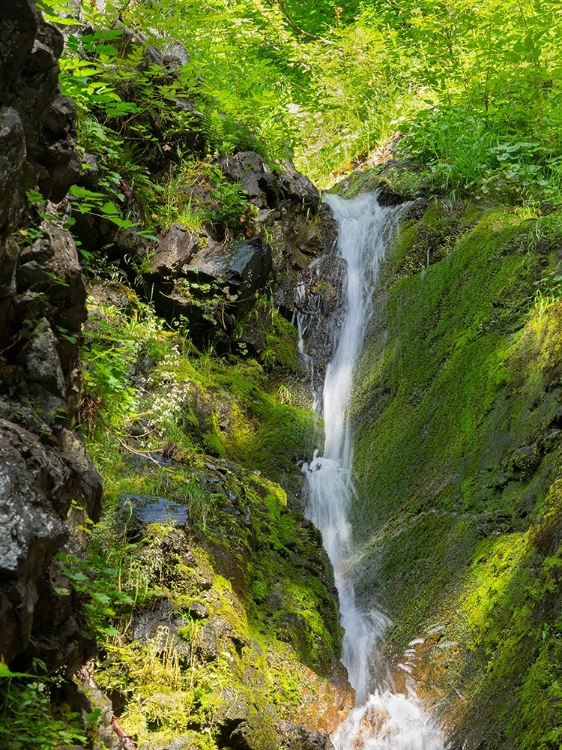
point(209, 624)
point(457, 412)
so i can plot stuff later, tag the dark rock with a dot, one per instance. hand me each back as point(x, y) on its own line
point(152, 509)
point(60, 162)
point(43, 466)
point(36, 488)
point(294, 186)
point(245, 265)
point(250, 171)
point(89, 173)
point(15, 173)
point(18, 27)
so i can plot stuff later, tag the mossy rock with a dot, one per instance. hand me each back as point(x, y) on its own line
point(456, 412)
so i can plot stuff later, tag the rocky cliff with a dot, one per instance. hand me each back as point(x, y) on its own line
point(48, 482)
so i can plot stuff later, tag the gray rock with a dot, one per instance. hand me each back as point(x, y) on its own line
point(18, 26)
point(37, 485)
point(42, 306)
point(174, 55)
point(14, 173)
point(198, 611)
point(245, 265)
point(42, 361)
point(174, 251)
point(294, 186)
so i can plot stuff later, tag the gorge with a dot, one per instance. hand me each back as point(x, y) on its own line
point(173, 304)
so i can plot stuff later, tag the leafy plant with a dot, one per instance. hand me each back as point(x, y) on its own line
point(94, 582)
point(28, 718)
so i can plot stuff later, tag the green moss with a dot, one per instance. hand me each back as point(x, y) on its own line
point(458, 394)
point(282, 344)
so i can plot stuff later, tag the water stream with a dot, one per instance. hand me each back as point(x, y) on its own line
point(383, 719)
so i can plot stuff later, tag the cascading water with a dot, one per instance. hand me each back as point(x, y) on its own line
point(383, 719)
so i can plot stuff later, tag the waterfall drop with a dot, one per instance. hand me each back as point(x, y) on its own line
point(383, 719)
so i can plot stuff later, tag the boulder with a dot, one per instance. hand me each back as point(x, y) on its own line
point(174, 252)
point(245, 265)
point(235, 271)
point(145, 509)
point(295, 187)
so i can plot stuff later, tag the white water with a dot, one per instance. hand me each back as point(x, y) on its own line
point(382, 719)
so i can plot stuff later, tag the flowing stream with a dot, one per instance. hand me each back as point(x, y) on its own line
point(383, 719)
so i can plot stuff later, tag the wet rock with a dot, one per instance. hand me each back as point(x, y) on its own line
point(152, 509)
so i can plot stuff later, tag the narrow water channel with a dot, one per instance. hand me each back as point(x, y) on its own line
point(383, 719)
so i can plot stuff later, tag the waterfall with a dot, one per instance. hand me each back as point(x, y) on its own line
point(382, 719)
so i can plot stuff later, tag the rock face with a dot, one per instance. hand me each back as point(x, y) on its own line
point(43, 465)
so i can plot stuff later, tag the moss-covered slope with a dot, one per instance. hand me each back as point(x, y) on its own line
point(225, 631)
point(458, 414)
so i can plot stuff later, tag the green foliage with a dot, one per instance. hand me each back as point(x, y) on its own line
point(28, 718)
point(475, 90)
point(95, 584)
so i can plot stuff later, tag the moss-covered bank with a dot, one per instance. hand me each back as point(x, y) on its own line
point(225, 631)
point(458, 414)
